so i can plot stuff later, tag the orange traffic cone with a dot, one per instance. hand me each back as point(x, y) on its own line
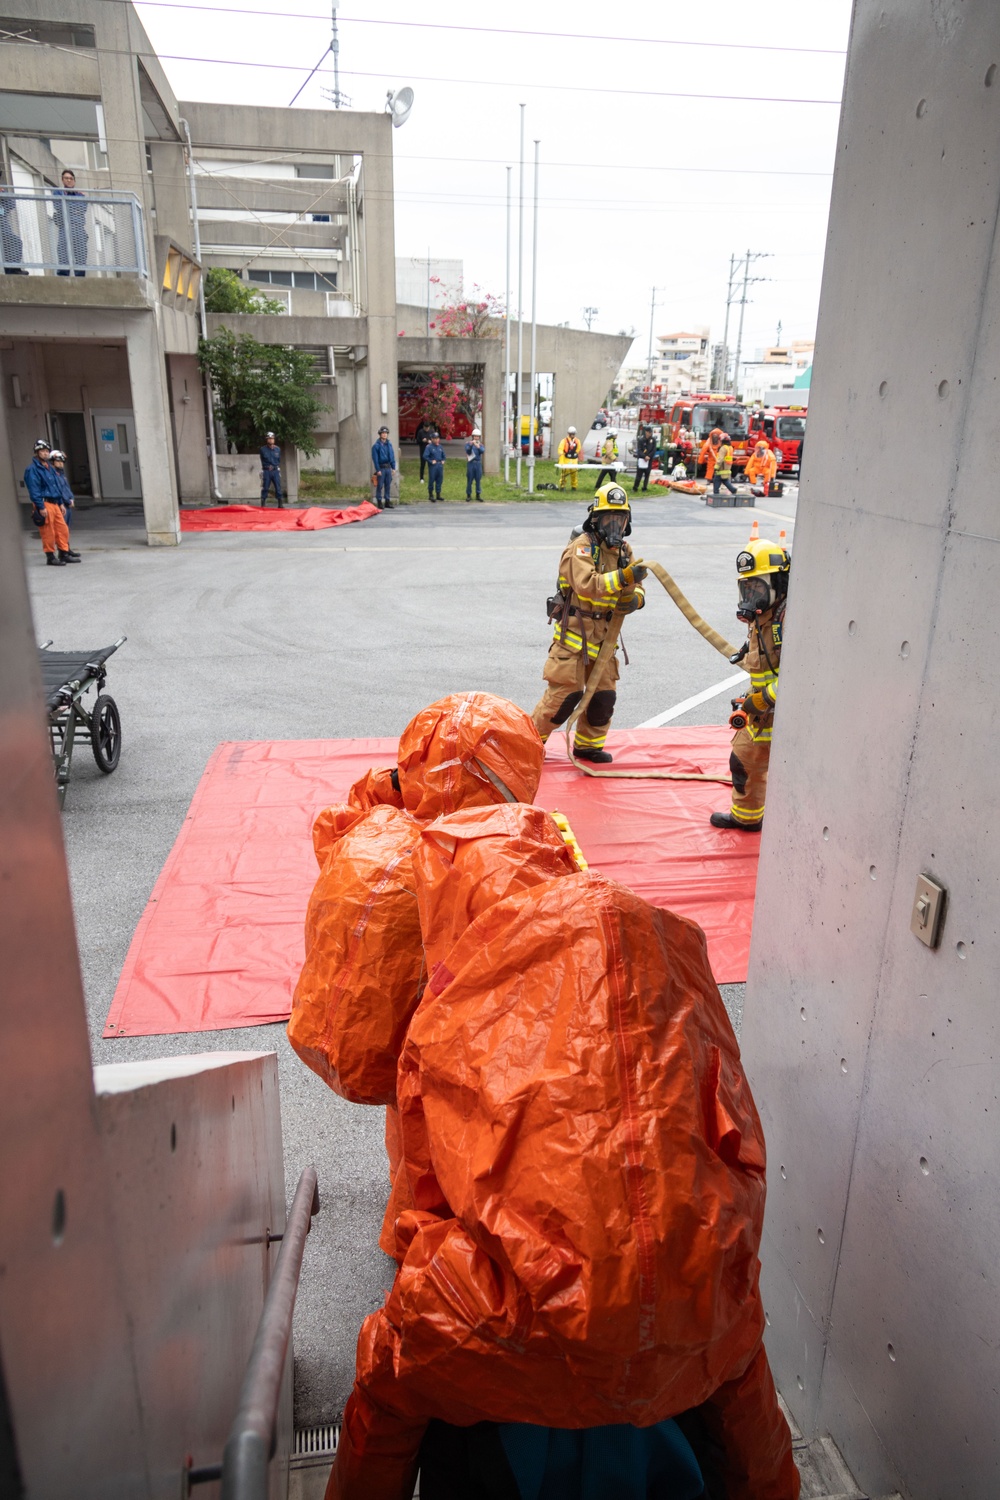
point(781, 540)
point(754, 532)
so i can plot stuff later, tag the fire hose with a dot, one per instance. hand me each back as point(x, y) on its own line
point(687, 609)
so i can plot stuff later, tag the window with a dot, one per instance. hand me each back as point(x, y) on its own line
point(731, 419)
point(307, 281)
point(55, 33)
point(314, 170)
point(791, 427)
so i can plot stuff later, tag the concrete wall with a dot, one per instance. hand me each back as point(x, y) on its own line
point(584, 366)
point(874, 1058)
point(187, 412)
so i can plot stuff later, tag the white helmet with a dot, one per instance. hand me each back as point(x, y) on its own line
point(476, 432)
point(571, 431)
point(612, 432)
point(56, 454)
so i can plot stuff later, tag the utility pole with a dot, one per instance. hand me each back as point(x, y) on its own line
point(589, 314)
point(534, 333)
point(505, 408)
point(652, 311)
point(725, 336)
point(748, 280)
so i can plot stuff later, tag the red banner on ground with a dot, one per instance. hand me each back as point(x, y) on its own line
point(271, 518)
point(220, 943)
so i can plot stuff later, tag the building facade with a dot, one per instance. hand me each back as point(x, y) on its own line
point(99, 296)
point(682, 362)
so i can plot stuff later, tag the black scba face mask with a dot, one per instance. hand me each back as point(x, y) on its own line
point(611, 529)
point(756, 596)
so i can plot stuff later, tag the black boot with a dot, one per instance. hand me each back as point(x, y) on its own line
point(68, 557)
point(599, 757)
point(388, 505)
point(55, 559)
point(726, 820)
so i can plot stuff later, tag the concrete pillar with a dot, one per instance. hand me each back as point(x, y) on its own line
point(873, 1057)
point(150, 404)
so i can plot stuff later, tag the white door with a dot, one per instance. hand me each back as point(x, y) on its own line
point(117, 459)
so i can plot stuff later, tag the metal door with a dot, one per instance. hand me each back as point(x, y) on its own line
point(117, 459)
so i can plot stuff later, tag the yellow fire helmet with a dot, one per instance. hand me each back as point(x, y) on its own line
point(762, 567)
point(606, 513)
point(762, 557)
point(611, 497)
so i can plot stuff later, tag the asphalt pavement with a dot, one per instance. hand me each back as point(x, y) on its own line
point(330, 634)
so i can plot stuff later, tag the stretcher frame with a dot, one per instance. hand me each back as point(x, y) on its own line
point(67, 676)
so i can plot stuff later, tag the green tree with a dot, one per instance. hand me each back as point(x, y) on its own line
point(226, 293)
point(261, 388)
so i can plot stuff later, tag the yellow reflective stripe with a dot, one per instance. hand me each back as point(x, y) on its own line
point(756, 732)
point(747, 814)
point(760, 679)
point(590, 741)
point(570, 639)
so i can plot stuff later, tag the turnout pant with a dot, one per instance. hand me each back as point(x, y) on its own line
point(267, 478)
point(566, 678)
point(718, 479)
point(748, 760)
point(611, 473)
point(570, 474)
point(55, 532)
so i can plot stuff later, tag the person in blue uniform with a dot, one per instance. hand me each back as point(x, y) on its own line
point(71, 227)
point(57, 459)
point(474, 452)
point(270, 470)
point(434, 454)
point(383, 468)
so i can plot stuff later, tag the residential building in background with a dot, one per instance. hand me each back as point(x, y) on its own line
point(427, 281)
point(682, 362)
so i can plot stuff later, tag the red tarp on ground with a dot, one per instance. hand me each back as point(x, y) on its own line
point(220, 943)
point(271, 518)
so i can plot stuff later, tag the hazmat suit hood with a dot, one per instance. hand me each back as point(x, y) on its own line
point(468, 750)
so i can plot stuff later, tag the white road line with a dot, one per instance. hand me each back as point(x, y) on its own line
point(682, 708)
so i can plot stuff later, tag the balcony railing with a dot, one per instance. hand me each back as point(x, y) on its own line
point(46, 232)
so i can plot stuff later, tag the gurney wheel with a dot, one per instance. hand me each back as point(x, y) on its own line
point(106, 733)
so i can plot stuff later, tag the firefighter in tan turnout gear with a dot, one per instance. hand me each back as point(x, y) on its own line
point(762, 568)
point(597, 578)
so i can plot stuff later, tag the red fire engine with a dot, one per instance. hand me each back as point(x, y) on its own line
point(783, 428)
point(688, 421)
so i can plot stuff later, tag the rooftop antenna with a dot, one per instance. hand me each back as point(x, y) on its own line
point(338, 99)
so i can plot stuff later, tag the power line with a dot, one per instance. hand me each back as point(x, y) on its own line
point(504, 83)
point(560, 36)
point(597, 166)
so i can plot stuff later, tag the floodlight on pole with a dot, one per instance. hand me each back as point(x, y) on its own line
point(505, 409)
point(534, 332)
point(520, 300)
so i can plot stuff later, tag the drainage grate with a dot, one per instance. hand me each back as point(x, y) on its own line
point(316, 1442)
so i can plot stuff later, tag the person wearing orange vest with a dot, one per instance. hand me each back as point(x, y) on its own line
point(761, 469)
point(570, 452)
point(710, 451)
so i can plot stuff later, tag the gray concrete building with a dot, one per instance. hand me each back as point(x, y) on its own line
point(99, 301)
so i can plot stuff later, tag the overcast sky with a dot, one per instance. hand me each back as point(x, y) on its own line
point(641, 183)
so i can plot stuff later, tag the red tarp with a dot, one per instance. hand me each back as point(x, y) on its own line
point(220, 943)
point(271, 518)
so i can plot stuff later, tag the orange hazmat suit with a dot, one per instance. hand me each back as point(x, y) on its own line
point(585, 1169)
point(364, 970)
point(710, 451)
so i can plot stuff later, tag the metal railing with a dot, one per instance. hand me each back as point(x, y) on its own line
point(46, 231)
point(250, 1445)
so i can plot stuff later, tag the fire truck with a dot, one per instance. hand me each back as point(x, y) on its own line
point(687, 422)
point(783, 429)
